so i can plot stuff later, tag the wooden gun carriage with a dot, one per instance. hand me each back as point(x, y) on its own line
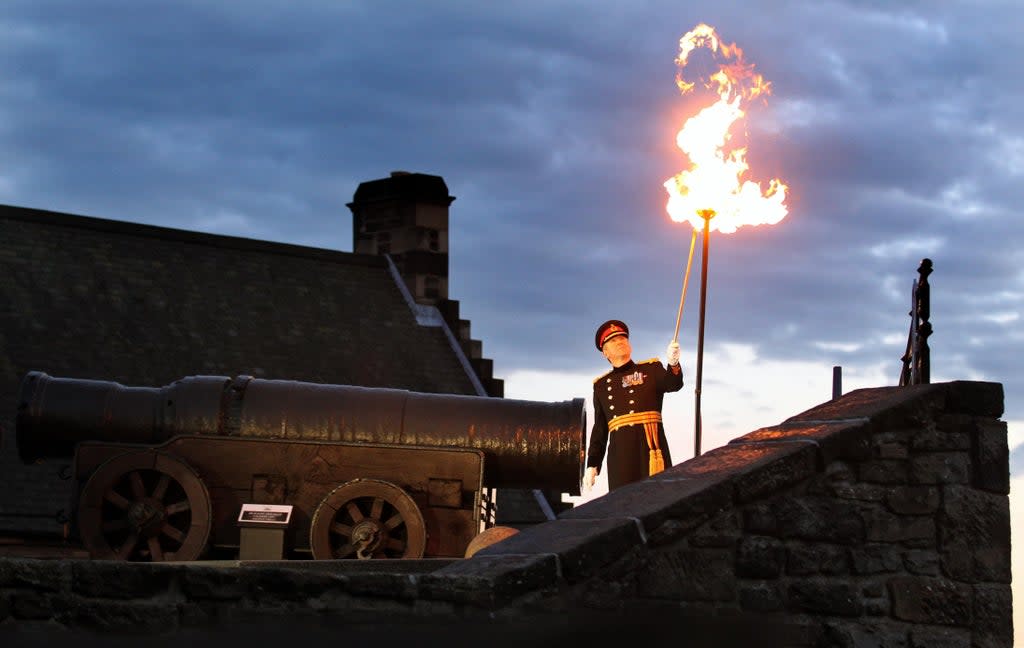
point(161, 473)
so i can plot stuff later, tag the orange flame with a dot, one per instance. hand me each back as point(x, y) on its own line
point(714, 180)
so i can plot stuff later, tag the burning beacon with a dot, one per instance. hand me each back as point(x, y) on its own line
point(713, 193)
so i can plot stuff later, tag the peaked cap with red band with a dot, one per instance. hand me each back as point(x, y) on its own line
point(608, 330)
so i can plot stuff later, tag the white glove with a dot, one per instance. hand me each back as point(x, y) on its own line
point(589, 478)
point(673, 353)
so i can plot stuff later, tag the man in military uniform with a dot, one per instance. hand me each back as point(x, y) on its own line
point(627, 410)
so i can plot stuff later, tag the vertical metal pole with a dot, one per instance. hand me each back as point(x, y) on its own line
point(706, 214)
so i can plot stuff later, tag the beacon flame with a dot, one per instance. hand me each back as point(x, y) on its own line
point(715, 180)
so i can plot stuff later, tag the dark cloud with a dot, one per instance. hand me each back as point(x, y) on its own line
point(896, 127)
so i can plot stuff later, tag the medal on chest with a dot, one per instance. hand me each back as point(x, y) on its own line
point(633, 379)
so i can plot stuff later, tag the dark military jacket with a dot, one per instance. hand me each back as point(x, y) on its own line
point(632, 389)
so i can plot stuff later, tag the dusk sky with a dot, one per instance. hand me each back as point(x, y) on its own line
point(896, 126)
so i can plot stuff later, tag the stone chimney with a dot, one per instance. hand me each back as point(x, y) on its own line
point(406, 217)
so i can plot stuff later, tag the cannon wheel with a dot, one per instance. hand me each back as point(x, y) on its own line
point(144, 506)
point(367, 518)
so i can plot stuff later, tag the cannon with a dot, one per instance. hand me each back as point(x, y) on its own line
point(162, 473)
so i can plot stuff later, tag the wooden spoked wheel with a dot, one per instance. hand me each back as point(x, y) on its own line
point(144, 506)
point(367, 519)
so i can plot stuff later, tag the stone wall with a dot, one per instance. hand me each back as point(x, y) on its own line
point(877, 519)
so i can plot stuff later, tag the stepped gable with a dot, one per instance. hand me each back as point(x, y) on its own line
point(406, 217)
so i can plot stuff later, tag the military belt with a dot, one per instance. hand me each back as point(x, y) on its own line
point(650, 421)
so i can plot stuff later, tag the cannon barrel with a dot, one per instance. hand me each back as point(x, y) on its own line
point(526, 444)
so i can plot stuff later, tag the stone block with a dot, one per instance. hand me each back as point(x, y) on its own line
point(940, 468)
point(26, 573)
point(755, 469)
point(688, 574)
point(33, 605)
point(940, 638)
point(877, 607)
point(721, 531)
point(883, 408)
point(825, 596)
point(974, 535)
point(788, 465)
point(686, 502)
point(120, 579)
point(951, 432)
point(863, 492)
point(884, 471)
point(891, 451)
point(993, 616)
point(487, 580)
point(400, 587)
point(761, 597)
point(991, 457)
point(975, 398)
point(104, 617)
point(286, 584)
point(581, 545)
point(202, 582)
point(922, 562)
point(760, 557)
point(876, 559)
point(909, 530)
point(861, 633)
point(759, 517)
point(818, 519)
point(934, 601)
point(834, 440)
point(813, 558)
point(912, 500)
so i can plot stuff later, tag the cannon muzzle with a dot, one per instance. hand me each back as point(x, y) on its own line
point(526, 444)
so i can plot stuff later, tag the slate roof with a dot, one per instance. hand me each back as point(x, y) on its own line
point(88, 297)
